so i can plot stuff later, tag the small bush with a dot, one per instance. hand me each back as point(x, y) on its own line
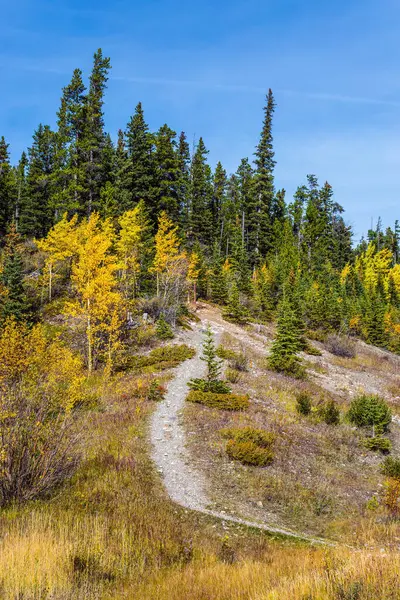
point(249, 453)
point(163, 329)
point(391, 467)
point(370, 411)
point(317, 335)
point(215, 387)
point(165, 357)
point(331, 413)
point(264, 439)
point(391, 498)
point(341, 346)
point(156, 392)
point(303, 404)
point(312, 350)
point(236, 360)
point(232, 375)
point(220, 401)
point(378, 444)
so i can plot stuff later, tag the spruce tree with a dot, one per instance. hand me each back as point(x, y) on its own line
point(235, 311)
point(140, 174)
point(7, 187)
point(184, 182)
point(37, 215)
point(218, 200)
point(167, 172)
point(200, 197)
point(13, 302)
point(288, 341)
point(260, 217)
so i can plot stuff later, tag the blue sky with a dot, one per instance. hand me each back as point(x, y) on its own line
point(204, 67)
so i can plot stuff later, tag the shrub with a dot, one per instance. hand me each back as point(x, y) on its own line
point(165, 357)
point(370, 411)
point(38, 444)
point(331, 413)
point(163, 329)
point(341, 346)
point(236, 360)
point(232, 375)
point(303, 404)
point(391, 498)
point(378, 444)
point(264, 439)
point(220, 401)
point(391, 467)
point(215, 387)
point(249, 453)
point(312, 350)
point(317, 335)
point(155, 391)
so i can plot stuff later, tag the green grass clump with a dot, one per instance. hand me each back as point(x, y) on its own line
point(165, 357)
point(220, 401)
point(378, 444)
point(249, 453)
point(391, 467)
point(264, 439)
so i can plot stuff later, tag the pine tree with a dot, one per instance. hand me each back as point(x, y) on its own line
point(13, 303)
point(235, 311)
point(200, 197)
point(288, 341)
point(184, 182)
point(21, 188)
point(93, 144)
point(218, 200)
point(260, 217)
point(36, 214)
point(167, 172)
point(7, 187)
point(140, 174)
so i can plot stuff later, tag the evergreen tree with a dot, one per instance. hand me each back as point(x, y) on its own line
point(260, 217)
point(288, 341)
point(140, 174)
point(200, 196)
point(21, 188)
point(36, 217)
point(7, 187)
point(13, 302)
point(235, 311)
point(217, 201)
point(167, 172)
point(93, 144)
point(184, 182)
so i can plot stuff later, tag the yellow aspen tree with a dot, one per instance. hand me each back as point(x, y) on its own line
point(130, 245)
point(94, 280)
point(59, 245)
point(194, 268)
point(167, 249)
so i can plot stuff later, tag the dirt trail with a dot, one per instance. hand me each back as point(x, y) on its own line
point(185, 484)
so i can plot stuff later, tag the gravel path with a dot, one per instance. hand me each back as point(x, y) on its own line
point(185, 484)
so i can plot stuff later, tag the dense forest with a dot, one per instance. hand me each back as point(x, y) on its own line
point(155, 219)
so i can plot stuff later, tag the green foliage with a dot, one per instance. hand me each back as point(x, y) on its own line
point(312, 350)
point(219, 400)
point(156, 391)
point(370, 411)
point(391, 467)
point(232, 375)
point(260, 437)
point(249, 453)
point(202, 385)
point(331, 413)
point(378, 444)
point(164, 329)
point(288, 341)
point(165, 357)
point(14, 302)
point(212, 383)
point(303, 404)
point(235, 310)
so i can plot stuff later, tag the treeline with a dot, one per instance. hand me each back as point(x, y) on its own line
point(238, 238)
